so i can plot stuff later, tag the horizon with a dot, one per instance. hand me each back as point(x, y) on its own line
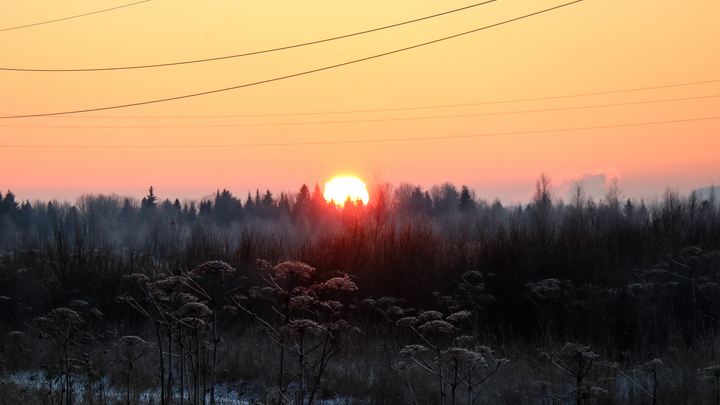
point(594, 189)
point(482, 95)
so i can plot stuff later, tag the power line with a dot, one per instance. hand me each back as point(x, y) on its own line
point(71, 17)
point(520, 100)
point(250, 53)
point(291, 75)
point(360, 141)
point(364, 120)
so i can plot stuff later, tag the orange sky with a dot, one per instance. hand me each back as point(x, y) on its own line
point(499, 149)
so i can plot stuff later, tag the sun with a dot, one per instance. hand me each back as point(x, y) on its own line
point(340, 188)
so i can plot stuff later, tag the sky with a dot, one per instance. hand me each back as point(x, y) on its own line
point(591, 91)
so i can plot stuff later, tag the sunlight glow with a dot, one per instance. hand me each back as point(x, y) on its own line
point(340, 188)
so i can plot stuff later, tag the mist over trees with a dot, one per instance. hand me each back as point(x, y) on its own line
point(309, 286)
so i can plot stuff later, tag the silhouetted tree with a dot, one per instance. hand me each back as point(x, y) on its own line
point(9, 207)
point(613, 195)
point(445, 197)
point(318, 204)
point(24, 215)
point(227, 208)
point(420, 203)
point(284, 204)
point(302, 202)
point(250, 207)
point(465, 202)
point(189, 212)
point(150, 201)
point(128, 210)
point(268, 205)
point(379, 208)
point(206, 208)
point(540, 209)
point(401, 198)
point(268, 201)
point(629, 209)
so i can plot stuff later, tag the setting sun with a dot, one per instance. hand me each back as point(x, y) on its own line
point(340, 188)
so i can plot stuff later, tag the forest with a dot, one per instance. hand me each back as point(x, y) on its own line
point(434, 296)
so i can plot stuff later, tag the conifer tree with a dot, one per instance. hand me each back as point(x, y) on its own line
point(465, 201)
point(149, 202)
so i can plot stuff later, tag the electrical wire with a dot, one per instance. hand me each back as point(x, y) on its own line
point(520, 100)
point(361, 141)
point(71, 17)
point(249, 53)
point(364, 120)
point(275, 79)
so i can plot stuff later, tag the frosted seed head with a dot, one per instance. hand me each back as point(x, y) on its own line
point(407, 321)
point(340, 283)
point(428, 315)
point(461, 356)
point(302, 301)
point(130, 341)
point(411, 350)
point(218, 267)
point(459, 316)
point(437, 326)
point(301, 326)
point(63, 314)
point(140, 278)
point(650, 366)
point(395, 310)
point(194, 310)
point(287, 269)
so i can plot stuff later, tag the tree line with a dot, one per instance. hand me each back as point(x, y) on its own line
point(422, 268)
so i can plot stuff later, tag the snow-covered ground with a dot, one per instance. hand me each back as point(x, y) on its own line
point(242, 393)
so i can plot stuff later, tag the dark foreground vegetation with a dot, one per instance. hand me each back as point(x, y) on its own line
point(420, 297)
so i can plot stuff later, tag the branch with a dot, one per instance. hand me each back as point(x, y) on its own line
point(254, 315)
point(559, 366)
point(280, 391)
point(635, 384)
point(194, 286)
point(424, 365)
point(497, 367)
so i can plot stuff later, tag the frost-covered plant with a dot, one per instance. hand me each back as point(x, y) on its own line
point(194, 310)
point(307, 324)
point(213, 268)
point(207, 282)
point(387, 309)
point(298, 330)
point(652, 367)
point(578, 361)
point(436, 326)
point(459, 316)
point(130, 349)
point(470, 293)
point(17, 349)
point(64, 327)
point(543, 294)
point(159, 300)
point(338, 283)
point(449, 357)
point(192, 327)
point(711, 374)
point(181, 306)
point(291, 270)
